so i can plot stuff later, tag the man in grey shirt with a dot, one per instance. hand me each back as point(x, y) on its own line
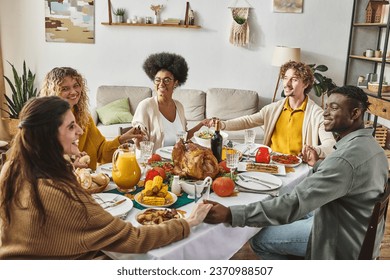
point(342, 189)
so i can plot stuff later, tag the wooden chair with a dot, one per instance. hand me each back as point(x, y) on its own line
point(379, 212)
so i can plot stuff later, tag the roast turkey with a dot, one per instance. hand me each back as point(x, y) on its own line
point(194, 161)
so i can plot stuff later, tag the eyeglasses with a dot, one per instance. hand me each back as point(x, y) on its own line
point(166, 81)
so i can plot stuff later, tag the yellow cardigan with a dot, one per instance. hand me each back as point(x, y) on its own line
point(96, 146)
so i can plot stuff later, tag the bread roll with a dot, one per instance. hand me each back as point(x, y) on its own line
point(85, 159)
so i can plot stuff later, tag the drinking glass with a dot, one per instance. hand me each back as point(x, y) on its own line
point(181, 135)
point(249, 141)
point(232, 159)
point(146, 150)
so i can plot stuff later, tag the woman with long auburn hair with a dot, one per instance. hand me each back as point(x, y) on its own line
point(46, 214)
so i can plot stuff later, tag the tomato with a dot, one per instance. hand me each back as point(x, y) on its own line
point(161, 171)
point(151, 174)
point(222, 164)
point(223, 186)
point(262, 155)
point(154, 157)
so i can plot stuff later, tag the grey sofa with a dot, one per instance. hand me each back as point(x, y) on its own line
point(223, 103)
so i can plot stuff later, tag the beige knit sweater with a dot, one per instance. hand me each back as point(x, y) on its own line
point(76, 232)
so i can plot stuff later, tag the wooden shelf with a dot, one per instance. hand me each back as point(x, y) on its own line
point(364, 24)
point(154, 25)
point(373, 59)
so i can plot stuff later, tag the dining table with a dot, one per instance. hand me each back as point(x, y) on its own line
point(211, 241)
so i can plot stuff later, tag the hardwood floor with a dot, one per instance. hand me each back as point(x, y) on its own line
point(246, 253)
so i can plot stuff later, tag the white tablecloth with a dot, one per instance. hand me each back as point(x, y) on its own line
point(207, 242)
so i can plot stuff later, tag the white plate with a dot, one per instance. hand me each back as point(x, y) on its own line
point(180, 215)
point(281, 168)
point(174, 197)
point(104, 198)
point(243, 148)
point(105, 168)
point(3, 143)
point(165, 152)
point(286, 165)
point(257, 186)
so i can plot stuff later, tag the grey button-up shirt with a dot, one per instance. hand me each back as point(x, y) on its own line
point(343, 190)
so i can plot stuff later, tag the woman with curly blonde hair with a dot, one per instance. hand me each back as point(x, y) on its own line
point(70, 85)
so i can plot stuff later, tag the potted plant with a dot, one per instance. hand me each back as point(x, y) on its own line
point(22, 90)
point(120, 15)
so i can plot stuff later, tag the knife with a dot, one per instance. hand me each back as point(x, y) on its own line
point(115, 204)
point(271, 193)
point(259, 180)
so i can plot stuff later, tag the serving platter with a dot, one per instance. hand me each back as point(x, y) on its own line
point(107, 199)
point(138, 196)
point(285, 160)
point(258, 181)
point(271, 168)
point(165, 152)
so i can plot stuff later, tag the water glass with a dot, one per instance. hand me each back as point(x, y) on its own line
point(146, 150)
point(232, 159)
point(250, 136)
point(181, 135)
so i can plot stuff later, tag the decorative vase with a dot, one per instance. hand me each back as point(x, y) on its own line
point(155, 19)
point(119, 19)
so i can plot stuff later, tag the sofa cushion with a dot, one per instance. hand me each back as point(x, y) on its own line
point(117, 111)
point(107, 94)
point(229, 103)
point(194, 102)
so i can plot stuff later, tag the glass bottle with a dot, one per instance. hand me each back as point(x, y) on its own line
point(216, 142)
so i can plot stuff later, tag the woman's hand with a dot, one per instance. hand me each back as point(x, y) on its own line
point(135, 134)
point(309, 155)
point(81, 160)
point(198, 214)
point(218, 213)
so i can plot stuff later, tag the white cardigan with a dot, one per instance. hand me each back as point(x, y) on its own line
point(148, 117)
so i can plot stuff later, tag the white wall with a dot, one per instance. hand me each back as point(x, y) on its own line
point(321, 32)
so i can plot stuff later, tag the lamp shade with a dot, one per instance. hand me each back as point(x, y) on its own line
point(284, 54)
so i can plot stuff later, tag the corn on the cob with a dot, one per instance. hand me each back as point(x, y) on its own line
point(148, 188)
point(168, 198)
point(157, 183)
point(163, 191)
point(153, 200)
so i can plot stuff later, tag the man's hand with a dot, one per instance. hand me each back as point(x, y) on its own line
point(309, 155)
point(218, 213)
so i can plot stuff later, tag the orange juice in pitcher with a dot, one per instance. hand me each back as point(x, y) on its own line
point(125, 169)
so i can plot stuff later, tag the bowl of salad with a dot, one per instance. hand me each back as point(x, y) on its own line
point(203, 137)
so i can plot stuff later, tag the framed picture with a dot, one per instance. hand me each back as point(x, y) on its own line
point(287, 6)
point(70, 21)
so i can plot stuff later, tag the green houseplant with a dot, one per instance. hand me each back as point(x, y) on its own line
point(22, 89)
point(120, 14)
point(322, 84)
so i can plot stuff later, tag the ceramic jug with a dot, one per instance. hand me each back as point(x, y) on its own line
point(125, 169)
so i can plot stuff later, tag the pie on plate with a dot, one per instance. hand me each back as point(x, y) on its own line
point(286, 160)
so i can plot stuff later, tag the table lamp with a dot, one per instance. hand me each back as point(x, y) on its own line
point(282, 55)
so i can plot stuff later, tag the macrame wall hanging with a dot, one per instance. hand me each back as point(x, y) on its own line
point(239, 33)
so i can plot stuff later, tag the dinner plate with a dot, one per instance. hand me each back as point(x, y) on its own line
point(105, 168)
point(286, 164)
point(165, 152)
point(174, 198)
point(274, 182)
point(155, 213)
point(263, 168)
point(105, 199)
point(243, 148)
point(3, 143)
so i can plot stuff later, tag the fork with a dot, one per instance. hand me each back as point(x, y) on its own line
point(252, 180)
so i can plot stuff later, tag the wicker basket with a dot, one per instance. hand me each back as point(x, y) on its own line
point(96, 190)
point(373, 87)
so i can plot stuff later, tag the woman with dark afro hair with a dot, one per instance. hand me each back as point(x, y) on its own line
point(161, 117)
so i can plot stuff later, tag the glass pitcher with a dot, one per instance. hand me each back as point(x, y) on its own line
point(125, 169)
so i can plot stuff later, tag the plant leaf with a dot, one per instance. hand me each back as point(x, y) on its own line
point(321, 68)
